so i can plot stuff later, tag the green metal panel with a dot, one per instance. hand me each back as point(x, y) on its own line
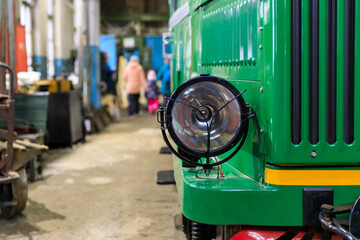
point(239, 199)
point(276, 98)
point(224, 38)
point(305, 70)
point(228, 43)
point(226, 46)
point(340, 80)
point(182, 60)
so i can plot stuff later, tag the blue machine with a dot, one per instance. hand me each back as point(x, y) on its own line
point(108, 45)
point(155, 43)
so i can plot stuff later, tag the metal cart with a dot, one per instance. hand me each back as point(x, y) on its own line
point(13, 179)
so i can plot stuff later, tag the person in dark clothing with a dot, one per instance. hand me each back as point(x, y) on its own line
point(107, 75)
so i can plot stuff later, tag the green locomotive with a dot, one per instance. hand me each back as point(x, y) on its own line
point(291, 141)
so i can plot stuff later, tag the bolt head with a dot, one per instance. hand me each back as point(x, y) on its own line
point(313, 154)
point(261, 89)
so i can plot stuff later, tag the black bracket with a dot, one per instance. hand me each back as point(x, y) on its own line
point(160, 115)
point(250, 114)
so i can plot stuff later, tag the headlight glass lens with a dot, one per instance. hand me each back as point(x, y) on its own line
point(191, 125)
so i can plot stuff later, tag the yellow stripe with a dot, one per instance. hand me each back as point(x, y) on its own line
point(312, 177)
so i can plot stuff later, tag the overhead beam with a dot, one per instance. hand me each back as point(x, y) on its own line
point(135, 17)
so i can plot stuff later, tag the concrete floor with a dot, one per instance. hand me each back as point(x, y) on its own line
point(103, 189)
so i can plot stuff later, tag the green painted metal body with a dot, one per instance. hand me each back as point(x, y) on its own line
point(248, 43)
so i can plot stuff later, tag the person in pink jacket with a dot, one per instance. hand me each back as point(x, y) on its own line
point(135, 79)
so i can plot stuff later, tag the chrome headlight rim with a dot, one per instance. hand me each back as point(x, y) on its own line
point(239, 99)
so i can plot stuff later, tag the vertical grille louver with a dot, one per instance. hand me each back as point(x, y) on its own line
point(349, 71)
point(331, 72)
point(296, 72)
point(314, 71)
point(337, 29)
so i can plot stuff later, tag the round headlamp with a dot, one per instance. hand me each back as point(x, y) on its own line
point(206, 116)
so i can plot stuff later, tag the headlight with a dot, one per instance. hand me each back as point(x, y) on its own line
point(206, 116)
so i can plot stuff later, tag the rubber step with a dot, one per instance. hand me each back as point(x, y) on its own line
point(165, 177)
point(165, 150)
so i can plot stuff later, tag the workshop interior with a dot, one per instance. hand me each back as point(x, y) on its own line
point(180, 119)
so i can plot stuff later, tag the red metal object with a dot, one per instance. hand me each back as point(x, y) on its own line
point(257, 234)
point(20, 51)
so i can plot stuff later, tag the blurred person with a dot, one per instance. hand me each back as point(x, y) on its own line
point(135, 79)
point(153, 92)
point(164, 75)
point(106, 75)
point(108, 90)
